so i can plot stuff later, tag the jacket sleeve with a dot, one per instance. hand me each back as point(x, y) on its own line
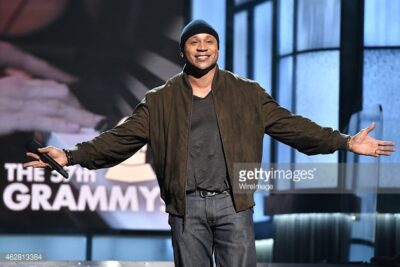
point(298, 132)
point(114, 146)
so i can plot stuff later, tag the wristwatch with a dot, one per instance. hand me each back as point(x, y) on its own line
point(70, 160)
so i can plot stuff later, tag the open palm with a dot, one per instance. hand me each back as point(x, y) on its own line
point(363, 144)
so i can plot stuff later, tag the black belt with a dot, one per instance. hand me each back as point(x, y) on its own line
point(205, 193)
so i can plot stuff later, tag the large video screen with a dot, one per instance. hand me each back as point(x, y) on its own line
point(68, 71)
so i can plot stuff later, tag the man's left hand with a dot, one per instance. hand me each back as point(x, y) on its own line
point(363, 144)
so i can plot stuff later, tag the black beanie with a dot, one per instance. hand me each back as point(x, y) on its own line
point(195, 27)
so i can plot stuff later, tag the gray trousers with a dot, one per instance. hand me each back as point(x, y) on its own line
point(213, 226)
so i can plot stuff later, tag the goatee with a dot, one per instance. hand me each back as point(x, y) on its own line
point(196, 72)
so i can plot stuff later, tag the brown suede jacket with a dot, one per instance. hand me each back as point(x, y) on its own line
point(244, 113)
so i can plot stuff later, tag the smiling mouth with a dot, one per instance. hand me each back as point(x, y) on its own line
point(202, 57)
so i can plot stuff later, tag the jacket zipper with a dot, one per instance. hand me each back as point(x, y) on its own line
point(188, 155)
point(220, 135)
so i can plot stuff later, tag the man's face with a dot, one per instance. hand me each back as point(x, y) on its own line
point(201, 50)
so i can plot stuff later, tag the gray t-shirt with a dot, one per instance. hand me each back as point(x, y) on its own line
point(206, 163)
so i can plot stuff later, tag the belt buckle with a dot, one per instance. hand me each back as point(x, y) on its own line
point(204, 193)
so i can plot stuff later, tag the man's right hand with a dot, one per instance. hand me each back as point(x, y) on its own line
point(55, 153)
